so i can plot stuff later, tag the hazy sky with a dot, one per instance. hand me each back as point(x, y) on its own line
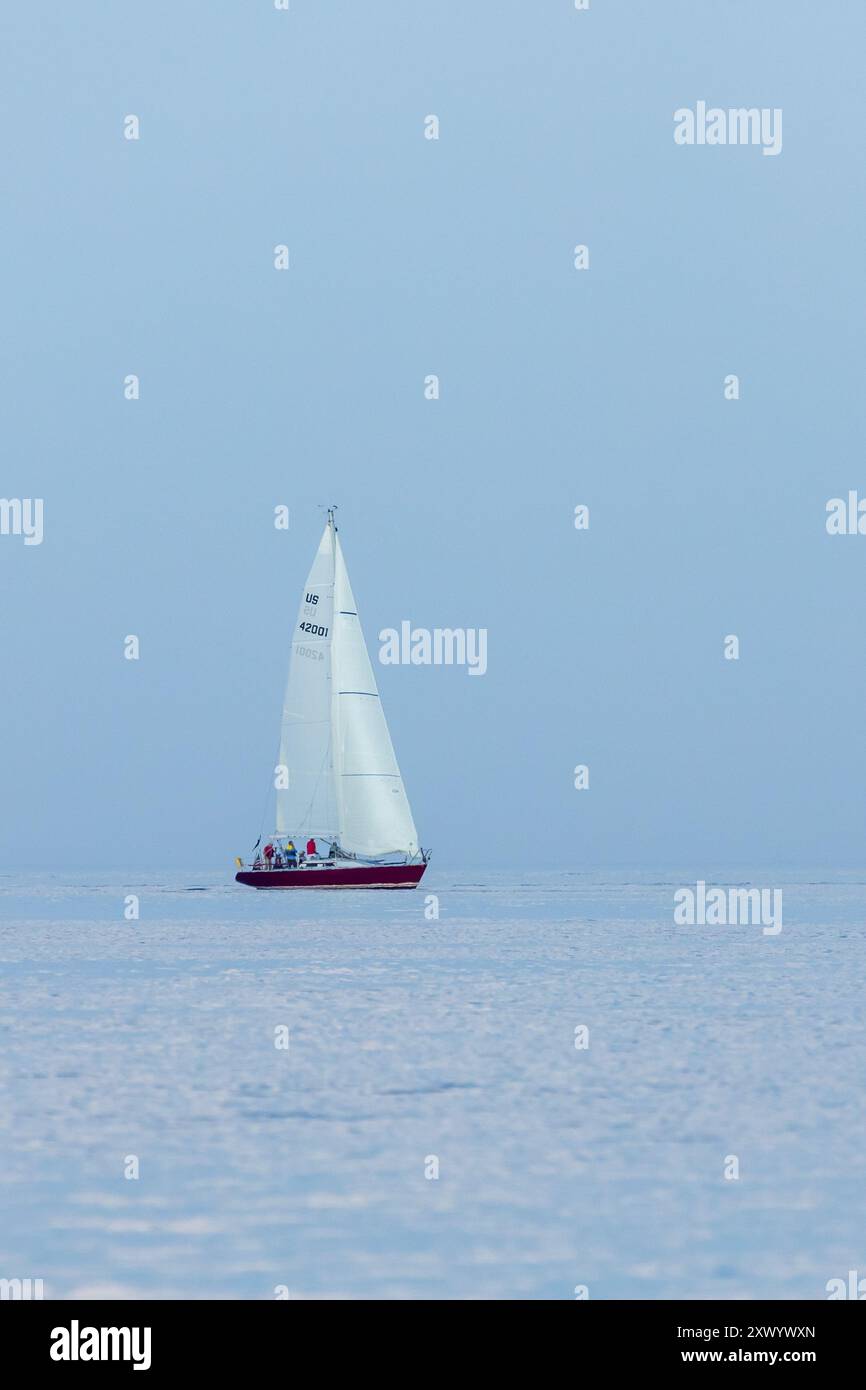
point(408, 257)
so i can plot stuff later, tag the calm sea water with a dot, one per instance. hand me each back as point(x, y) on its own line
point(411, 1039)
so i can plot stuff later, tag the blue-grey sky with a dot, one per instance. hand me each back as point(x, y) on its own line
point(409, 257)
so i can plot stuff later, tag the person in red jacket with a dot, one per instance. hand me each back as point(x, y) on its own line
point(269, 854)
point(311, 847)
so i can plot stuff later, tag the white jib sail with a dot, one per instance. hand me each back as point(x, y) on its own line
point(375, 818)
point(344, 781)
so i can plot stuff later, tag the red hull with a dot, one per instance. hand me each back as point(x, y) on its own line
point(357, 876)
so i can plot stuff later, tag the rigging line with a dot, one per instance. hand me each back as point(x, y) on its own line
point(309, 810)
point(268, 792)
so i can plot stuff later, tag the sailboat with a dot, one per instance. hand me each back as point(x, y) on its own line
point(342, 815)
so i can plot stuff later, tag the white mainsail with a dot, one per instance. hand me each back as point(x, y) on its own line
point(308, 805)
point(344, 783)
